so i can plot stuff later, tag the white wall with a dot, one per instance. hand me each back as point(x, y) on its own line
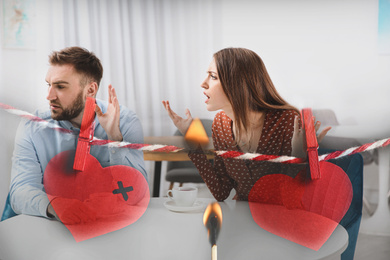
point(319, 53)
point(22, 83)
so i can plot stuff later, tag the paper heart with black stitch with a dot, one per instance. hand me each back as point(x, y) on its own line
point(111, 198)
point(299, 209)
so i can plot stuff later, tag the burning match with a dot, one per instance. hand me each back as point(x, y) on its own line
point(196, 133)
point(212, 219)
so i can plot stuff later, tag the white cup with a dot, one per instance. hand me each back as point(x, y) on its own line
point(183, 196)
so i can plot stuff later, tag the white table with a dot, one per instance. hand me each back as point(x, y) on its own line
point(159, 234)
point(379, 222)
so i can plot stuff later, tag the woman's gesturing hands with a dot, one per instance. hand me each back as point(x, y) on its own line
point(181, 123)
point(298, 142)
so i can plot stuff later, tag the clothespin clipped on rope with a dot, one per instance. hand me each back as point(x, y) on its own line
point(86, 135)
point(311, 142)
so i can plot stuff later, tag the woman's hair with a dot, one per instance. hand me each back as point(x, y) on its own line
point(83, 61)
point(247, 85)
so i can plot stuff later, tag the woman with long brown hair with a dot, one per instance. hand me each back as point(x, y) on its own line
point(254, 118)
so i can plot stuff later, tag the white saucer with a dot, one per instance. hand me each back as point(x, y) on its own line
point(170, 204)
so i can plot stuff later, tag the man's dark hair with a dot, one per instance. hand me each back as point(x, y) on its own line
point(83, 61)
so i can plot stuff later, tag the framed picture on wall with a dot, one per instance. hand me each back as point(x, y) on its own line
point(384, 27)
point(19, 26)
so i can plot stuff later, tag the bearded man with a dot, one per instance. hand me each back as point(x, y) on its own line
point(74, 74)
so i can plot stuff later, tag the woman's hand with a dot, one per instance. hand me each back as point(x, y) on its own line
point(181, 123)
point(298, 142)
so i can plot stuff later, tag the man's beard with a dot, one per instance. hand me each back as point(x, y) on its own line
point(71, 112)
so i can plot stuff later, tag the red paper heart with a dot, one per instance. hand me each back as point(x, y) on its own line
point(111, 198)
point(299, 209)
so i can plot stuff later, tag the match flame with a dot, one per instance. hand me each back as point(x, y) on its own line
point(196, 133)
point(212, 219)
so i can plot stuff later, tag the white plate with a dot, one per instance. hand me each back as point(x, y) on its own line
point(170, 204)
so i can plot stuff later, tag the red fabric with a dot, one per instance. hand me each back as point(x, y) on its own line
point(229, 173)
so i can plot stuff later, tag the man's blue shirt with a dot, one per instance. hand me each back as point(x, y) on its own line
point(36, 144)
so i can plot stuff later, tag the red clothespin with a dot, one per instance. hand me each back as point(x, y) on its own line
point(86, 135)
point(311, 142)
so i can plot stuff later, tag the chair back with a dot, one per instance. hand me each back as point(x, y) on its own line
point(326, 116)
point(8, 211)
